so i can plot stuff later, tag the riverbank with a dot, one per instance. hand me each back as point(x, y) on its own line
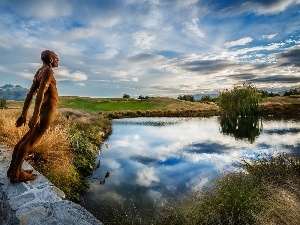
point(168, 107)
point(36, 202)
point(66, 153)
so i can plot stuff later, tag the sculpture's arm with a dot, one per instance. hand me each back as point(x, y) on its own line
point(47, 78)
point(22, 119)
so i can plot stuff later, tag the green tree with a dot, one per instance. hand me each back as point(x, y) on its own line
point(3, 104)
point(126, 96)
point(264, 94)
point(291, 92)
point(206, 98)
point(241, 100)
point(190, 98)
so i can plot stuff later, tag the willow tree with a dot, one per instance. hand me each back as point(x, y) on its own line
point(241, 100)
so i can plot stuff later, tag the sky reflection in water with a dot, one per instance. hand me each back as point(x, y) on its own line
point(154, 159)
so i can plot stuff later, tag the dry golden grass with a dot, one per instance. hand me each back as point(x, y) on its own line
point(9, 134)
point(51, 155)
point(282, 208)
point(52, 147)
point(55, 155)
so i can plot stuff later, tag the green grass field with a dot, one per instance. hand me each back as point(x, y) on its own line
point(108, 105)
point(105, 105)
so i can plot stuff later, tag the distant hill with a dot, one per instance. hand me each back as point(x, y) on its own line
point(199, 96)
point(13, 92)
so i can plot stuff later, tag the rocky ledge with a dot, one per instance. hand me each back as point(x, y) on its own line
point(36, 202)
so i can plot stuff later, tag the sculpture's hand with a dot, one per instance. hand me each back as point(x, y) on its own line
point(34, 121)
point(21, 121)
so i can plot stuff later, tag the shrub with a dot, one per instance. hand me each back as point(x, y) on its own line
point(241, 100)
point(3, 104)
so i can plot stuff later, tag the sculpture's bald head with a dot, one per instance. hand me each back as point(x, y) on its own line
point(49, 56)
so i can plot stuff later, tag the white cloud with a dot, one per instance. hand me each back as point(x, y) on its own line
point(269, 36)
point(143, 40)
point(108, 54)
point(26, 75)
point(185, 3)
point(146, 177)
point(242, 41)
point(3, 69)
point(192, 28)
point(44, 9)
point(81, 33)
point(120, 74)
point(62, 73)
point(276, 7)
point(80, 84)
point(5, 42)
point(105, 21)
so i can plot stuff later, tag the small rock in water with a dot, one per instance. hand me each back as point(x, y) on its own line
point(102, 181)
point(107, 174)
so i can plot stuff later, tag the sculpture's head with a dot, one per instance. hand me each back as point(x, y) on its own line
point(50, 58)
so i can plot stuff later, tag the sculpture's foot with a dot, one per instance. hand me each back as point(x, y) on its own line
point(26, 171)
point(22, 177)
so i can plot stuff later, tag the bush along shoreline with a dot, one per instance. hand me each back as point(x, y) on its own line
point(87, 133)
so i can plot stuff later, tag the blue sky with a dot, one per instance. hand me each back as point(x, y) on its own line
point(152, 47)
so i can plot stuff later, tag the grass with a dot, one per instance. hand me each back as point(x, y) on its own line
point(267, 192)
point(112, 105)
point(66, 153)
point(105, 105)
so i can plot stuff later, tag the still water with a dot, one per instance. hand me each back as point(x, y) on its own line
point(153, 161)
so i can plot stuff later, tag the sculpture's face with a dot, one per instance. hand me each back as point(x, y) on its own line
point(54, 60)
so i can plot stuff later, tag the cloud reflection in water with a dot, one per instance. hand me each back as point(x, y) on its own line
point(151, 158)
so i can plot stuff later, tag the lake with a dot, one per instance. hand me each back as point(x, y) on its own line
point(156, 161)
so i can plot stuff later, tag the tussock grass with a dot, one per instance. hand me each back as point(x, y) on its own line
point(267, 192)
point(66, 152)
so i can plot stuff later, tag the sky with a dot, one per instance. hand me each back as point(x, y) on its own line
point(152, 48)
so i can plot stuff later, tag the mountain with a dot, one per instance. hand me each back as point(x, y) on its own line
point(13, 92)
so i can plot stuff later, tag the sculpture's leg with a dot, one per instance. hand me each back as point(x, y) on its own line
point(17, 174)
point(15, 152)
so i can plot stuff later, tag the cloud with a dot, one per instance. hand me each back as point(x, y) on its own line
point(80, 84)
point(62, 73)
point(143, 40)
point(238, 7)
point(80, 33)
point(290, 58)
point(146, 177)
point(192, 28)
point(242, 41)
point(41, 9)
point(5, 42)
point(269, 36)
point(144, 57)
point(120, 74)
point(105, 19)
point(108, 54)
point(185, 3)
point(277, 79)
point(205, 66)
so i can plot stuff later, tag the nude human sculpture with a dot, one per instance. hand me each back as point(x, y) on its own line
point(44, 87)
